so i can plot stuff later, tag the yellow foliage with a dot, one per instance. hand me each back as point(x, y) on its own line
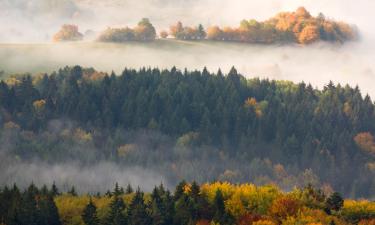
point(366, 142)
point(371, 166)
point(39, 105)
point(209, 190)
point(126, 149)
point(12, 81)
point(309, 34)
point(244, 197)
point(361, 207)
point(70, 207)
point(214, 33)
point(82, 135)
point(250, 102)
point(68, 32)
point(11, 125)
point(264, 222)
point(187, 188)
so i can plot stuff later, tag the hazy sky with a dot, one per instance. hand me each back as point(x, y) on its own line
point(36, 20)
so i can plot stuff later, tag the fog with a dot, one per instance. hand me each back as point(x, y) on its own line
point(34, 21)
point(37, 20)
point(26, 28)
point(86, 179)
point(318, 64)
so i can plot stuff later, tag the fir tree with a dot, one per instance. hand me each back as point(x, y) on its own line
point(89, 215)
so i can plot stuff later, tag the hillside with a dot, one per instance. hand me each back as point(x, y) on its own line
point(232, 128)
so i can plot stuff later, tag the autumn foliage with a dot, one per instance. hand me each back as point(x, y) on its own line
point(366, 142)
point(286, 27)
point(189, 204)
point(68, 32)
point(284, 207)
point(144, 32)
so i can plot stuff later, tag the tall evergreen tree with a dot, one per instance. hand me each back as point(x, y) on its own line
point(116, 215)
point(137, 213)
point(89, 215)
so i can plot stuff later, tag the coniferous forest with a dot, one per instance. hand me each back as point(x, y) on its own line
point(230, 128)
point(187, 112)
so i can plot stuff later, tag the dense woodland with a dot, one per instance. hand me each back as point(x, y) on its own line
point(286, 27)
point(195, 125)
point(208, 204)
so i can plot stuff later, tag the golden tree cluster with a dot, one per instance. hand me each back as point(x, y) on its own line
point(298, 26)
point(68, 32)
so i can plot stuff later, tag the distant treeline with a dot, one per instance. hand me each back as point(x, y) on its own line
point(249, 128)
point(189, 204)
point(286, 27)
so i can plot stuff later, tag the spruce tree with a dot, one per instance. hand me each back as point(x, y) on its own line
point(116, 215)
point(89, 215)
point(138, 214)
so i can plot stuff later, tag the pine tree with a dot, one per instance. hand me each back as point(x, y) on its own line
point(138, 210)
point(28, 213)
point(54, 190)
point(220, 215)
point(72, 191)
point(118, 191)
point(116, 215)
point(129, 189)
point(48, 211)
point(335, 202)
point(89, 215)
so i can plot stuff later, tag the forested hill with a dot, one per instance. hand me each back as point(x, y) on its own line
point(233, 119)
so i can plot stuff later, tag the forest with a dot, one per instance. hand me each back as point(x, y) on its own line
point(190, 203)
point(196, 125)
point(286, 27)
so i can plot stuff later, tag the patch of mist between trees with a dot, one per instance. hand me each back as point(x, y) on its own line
point(99, 177)
point(351, 63)
point(96, 176)
point(150, 158)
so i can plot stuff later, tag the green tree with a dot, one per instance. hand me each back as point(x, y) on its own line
point(137, 213)
point(89, 215)
point(116, 215)
point(334, 202)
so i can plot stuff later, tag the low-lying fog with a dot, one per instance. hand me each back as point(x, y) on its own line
point(35, 21)
point(318, 64)
point(26, 28)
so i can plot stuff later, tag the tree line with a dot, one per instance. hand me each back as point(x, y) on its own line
point(286, 27)
point(189, 203)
